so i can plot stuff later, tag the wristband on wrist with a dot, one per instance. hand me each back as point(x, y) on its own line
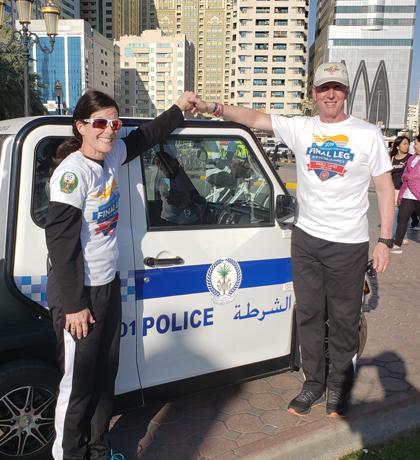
point(217, 109)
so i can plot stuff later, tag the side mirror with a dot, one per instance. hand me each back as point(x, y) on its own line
point(286, 209)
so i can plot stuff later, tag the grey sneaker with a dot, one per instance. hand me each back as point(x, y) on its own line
point(301, 405)
point(337, 404)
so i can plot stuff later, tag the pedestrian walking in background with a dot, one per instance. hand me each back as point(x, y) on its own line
point(336, 156)
point(409, 195)
point(83, 290)
point(399, 157)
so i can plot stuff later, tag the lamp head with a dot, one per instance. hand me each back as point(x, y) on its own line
point(24, 11)
point(51, 12)
point(2, 5)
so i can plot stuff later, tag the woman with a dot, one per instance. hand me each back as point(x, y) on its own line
point(399, 157)
point(83, 290)
point(409, 195)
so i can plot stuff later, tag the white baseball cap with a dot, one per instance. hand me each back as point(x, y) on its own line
point(331, 72)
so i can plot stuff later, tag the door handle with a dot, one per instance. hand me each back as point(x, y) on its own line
point(155, 262)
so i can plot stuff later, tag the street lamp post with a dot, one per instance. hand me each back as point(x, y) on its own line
point(27, 39)
point(58, 88)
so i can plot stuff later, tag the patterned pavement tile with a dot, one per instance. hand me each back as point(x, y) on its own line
point(244, 423)
point(211, 447)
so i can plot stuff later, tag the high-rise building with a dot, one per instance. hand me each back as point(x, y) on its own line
point(155, 71)
point(375, 40)
point(413, 118)
point(69, 9)
point(98, 13)
point(126, 17)
point(112, 18)
point(207, 24)
point(82, 59)
point(269, 55)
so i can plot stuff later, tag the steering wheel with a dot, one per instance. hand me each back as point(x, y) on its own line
point(227, 217)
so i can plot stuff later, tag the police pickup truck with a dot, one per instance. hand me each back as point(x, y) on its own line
point(205, 271)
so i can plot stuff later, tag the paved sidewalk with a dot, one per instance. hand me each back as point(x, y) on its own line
point(250, 421)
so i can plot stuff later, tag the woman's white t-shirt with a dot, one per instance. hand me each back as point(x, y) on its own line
point(86, 185)
point(334, 163)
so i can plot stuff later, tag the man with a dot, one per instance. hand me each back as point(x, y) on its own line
point(336, 157)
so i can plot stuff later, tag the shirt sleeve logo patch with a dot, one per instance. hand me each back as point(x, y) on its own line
point(68, 182)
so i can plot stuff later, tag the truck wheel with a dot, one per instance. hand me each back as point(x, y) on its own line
point(363, 331)
point(28, 393)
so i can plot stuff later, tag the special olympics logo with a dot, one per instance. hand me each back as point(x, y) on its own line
point(223, 280)
point(68, 182)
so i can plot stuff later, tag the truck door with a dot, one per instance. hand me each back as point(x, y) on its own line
point(213, 273)
point(30, 248)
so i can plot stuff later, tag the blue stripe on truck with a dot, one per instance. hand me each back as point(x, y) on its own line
point(173, 281)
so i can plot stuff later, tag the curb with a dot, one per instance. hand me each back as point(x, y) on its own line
point(395, 416)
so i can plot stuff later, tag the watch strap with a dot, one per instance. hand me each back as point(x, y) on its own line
point(387, 241)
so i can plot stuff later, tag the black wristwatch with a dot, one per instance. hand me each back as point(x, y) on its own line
point(387, 242)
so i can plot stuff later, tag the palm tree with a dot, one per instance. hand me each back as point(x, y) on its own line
point(223, 272)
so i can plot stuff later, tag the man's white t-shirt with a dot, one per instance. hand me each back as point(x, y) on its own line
point(334, 163)
point(86, 185)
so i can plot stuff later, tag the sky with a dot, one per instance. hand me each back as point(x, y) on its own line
point(415, 69)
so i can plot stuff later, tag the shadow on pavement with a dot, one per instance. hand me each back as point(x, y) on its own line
point(390, 370)
point(174, 430)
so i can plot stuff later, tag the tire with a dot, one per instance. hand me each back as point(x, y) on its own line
point(363, 331)
point(28, 394)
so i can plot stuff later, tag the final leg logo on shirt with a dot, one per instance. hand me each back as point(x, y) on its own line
point(107, 214)
point(329, 156)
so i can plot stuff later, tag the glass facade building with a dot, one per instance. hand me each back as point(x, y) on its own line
point(375, 40)
point(63, 64)
point(82, 59)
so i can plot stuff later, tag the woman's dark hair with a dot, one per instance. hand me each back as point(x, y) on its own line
point(417, 137)
point(396, 144)
point(92, 101)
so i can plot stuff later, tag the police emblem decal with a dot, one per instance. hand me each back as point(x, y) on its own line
point(68, 182)
point(223, 280)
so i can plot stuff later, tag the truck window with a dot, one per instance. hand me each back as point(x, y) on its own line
point(205, 182)
point(44, 153)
